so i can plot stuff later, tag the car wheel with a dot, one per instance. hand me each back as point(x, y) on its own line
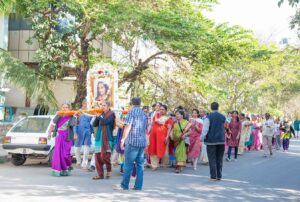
point(50, 157)
point(18, 159)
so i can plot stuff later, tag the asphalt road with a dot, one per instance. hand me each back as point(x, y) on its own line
point(251, 178)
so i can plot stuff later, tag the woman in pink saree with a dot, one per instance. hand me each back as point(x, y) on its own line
point(64, 132)
point(196, 125)
point(256, 134)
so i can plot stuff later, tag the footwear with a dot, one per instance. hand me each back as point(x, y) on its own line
point(235, 159)
point(135, 189)
point(119, 188)
point(55, 173)
point(227, 159)
point(177, 171)
point(108, 175)
point(98, 178)
point(265, 155)
point(219, 179)
point(91, 169)
point(212, 179)
point(70, 168)
point(271, 153)
point(153, 169)
point(64, 173)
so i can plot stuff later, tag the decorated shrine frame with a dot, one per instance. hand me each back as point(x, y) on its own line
point(102, 85)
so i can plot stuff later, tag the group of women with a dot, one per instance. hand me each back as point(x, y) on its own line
point(72, 130)
point(173, 138)
point(243, 133)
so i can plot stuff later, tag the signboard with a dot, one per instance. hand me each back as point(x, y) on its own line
point(102, 85)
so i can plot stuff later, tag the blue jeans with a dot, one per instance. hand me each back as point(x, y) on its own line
point(235, 152)
point(133, 154)
point(278, 142)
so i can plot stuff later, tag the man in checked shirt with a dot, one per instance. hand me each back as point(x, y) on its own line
point(134, 142)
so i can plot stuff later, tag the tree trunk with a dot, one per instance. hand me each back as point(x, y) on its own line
point(27, 100)
point(80, 87)
point(81, 73)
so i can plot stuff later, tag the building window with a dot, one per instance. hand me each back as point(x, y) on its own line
point(17, 22)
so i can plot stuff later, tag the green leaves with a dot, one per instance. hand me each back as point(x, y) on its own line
point(17, 73)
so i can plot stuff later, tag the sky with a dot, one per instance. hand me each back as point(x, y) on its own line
point(268, 21)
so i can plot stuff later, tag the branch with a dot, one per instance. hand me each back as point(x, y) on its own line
point(138, 70)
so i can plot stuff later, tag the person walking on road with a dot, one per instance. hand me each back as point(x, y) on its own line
point(63, 129)
point(134, 142)
point(82, 137)
point(203, 153)
point(268, 131)
point(104, 140)
point(297, 127)
point(235, 127)
point(195, 144)
point(213, 136)
point(245, 131)
point(159, 140)
point(178, 136)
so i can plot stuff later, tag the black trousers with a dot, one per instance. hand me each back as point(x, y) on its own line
point(215, 155)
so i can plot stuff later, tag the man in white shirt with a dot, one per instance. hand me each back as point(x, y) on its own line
point(268, 131)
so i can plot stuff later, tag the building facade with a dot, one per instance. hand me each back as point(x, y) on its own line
point(14, 34)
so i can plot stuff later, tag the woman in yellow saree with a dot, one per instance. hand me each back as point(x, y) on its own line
point(179, 136)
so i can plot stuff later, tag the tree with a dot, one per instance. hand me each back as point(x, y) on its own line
point(66, 30)
point(295, 21)
point(36, 85)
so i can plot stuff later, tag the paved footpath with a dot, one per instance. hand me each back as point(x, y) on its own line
point(251, 178)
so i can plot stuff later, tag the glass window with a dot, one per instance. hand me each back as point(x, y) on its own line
point(32, 125)
point(17, 22)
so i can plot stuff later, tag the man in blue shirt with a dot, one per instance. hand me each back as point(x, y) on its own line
point(134, 140)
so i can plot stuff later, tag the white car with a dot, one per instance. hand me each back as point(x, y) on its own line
point(28, 139)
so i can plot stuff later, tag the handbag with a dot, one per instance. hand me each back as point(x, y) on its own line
point(186, 138)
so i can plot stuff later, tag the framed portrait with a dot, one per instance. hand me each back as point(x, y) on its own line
point(102, 89)
point(101, 86)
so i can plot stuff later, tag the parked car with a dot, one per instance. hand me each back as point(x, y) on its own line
point(28, 139)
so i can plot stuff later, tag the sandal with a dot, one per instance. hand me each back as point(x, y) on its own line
point(98, 178)
point(64, 173)
point(108, 175)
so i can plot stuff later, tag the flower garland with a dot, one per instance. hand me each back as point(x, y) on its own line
point(72, 113)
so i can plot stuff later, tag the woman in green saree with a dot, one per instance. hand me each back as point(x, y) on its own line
point(179, 134)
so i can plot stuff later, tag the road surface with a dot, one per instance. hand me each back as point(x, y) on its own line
point(251, 178)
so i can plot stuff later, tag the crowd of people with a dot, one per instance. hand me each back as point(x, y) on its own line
point(161, 138)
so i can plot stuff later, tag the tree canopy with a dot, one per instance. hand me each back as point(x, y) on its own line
point(206, 61)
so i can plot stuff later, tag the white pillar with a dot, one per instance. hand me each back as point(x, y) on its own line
point(3, 32)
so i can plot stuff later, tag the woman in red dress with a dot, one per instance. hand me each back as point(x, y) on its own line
point(159, 136)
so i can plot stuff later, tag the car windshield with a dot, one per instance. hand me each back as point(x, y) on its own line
point(32, 125)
